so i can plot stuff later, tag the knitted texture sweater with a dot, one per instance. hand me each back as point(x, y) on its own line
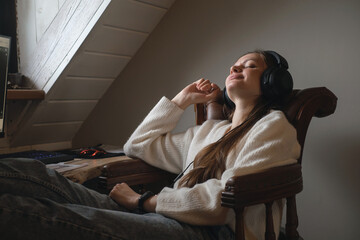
point(270, 142)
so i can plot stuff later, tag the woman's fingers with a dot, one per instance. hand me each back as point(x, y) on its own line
point(204, 85)
point(214, 86)
point(200, 91)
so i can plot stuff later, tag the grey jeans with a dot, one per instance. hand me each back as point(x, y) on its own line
point(38, 203)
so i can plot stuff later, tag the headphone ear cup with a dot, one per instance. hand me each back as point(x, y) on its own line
point(228, 102)
point(276, 82)
point(284, 83)
point(266, 82)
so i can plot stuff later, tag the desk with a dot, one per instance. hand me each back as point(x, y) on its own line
point(120, 169)
point(91, 170)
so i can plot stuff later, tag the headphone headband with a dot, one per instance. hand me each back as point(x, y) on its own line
point(280, 60)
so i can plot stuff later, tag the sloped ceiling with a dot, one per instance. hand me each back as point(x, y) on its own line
point(76, 85)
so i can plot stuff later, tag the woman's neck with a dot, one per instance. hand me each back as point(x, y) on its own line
point(241, 112)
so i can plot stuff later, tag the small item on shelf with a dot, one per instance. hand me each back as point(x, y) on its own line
point(15, 80)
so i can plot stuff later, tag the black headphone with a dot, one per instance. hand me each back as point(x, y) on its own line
point(276, 81)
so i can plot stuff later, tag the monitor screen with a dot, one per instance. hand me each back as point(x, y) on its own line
point(4, 62)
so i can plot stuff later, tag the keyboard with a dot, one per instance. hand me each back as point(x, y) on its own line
point(46, 157)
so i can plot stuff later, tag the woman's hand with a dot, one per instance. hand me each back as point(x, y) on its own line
point(126, 197)
point(200, 91)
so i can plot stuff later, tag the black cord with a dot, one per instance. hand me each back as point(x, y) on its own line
point(182, 173)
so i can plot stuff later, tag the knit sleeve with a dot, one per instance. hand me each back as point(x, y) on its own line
point(271, 142)
point(153, 142)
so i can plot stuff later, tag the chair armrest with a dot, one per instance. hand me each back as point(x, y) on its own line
point(262, 187)
point(133, 172)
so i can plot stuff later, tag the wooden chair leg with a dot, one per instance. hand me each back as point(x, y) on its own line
point(239, 228)
point(291, 219)
point(269, 234)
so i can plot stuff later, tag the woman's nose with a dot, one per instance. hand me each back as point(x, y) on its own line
point(235, 69)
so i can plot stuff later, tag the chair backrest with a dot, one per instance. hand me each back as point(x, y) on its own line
point(299, 108)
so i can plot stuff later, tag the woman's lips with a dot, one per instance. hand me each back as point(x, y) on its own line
point(235, 76)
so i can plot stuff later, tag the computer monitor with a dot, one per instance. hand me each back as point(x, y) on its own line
point(4, 62)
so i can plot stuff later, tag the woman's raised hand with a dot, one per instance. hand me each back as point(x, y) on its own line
point(200, 91)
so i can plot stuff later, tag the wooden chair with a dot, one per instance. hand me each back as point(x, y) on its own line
point(258, 188)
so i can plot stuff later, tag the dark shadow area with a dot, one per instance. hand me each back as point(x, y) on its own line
point(8, 28)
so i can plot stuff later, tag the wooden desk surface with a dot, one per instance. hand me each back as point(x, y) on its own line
point(91, 170)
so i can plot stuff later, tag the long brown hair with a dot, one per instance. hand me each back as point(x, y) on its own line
point(210, 161)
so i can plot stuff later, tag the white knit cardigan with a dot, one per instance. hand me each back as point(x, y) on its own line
point(270, 142)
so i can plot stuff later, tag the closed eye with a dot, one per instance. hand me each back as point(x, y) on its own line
point(250, 66)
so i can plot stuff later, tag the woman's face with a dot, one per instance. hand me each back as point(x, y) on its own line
point(244, 78)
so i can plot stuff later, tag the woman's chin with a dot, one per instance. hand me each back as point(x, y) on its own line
point(233, 83)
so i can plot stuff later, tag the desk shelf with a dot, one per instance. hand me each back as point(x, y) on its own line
point(25, 94)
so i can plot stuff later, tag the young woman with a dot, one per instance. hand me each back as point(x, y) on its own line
point(37, 202)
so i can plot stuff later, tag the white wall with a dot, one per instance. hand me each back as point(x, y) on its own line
point(202, 38)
